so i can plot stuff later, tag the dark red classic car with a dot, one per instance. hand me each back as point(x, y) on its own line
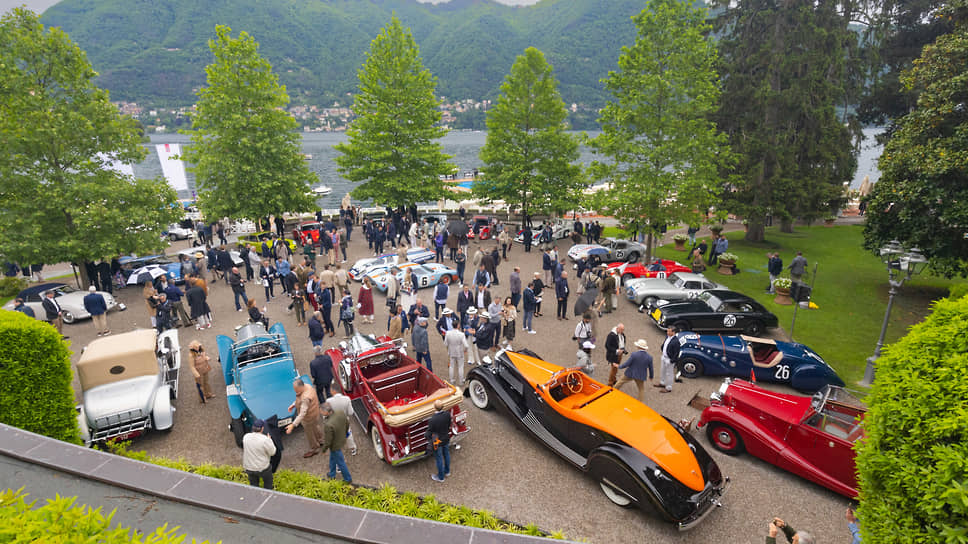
point(660, 268)
point(480, 227)
point(812, 437)
point(393, 396)
point(307, 232)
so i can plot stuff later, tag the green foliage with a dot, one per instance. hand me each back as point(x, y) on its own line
point(529, 159)
point(921, 198)
point(393, 147)
point(10, 287)
point(913, 463)
point(35, 378)
point(958, 290)
point(59, 199)
point(245, 152)
point(386, 498)
point(155, 51)
point(59, 520)
point(662, 153)
point(785, 75)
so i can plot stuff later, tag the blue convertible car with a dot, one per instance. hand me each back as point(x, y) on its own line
point(768, 360)
point(259, 372)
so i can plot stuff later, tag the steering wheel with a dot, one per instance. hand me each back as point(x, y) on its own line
point(574, 382)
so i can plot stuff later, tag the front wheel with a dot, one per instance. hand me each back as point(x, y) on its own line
point(172, 238)
point(344, 379)
point(377, 442)
point(68, 317)
point(725, 438)
point(633, 257)
point(690, 367)
point(754, 329)
point(238, 431)
point(649, 302)
point(478, 393)
point(681, 326)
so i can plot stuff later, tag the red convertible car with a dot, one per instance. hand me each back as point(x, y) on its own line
point(480, 227)
point(307, 232)
point(660, 268)
point(393, 396)
point(812, 437)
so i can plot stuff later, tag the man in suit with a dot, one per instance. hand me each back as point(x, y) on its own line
point(95, 305)
point(321, 369)
point(465, 300)
point(670, 357)
point(614, 350)
point(54, 313)
point(547, 265)
point(561, 293)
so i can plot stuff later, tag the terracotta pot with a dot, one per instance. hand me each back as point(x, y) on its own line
point(680, 246)
point(785, 291)
point(725, 269)
point(783, 298)
point(828, 222)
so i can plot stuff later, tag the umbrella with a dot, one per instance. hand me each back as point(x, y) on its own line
point(595, 251)
point(146, 273)
point(586, 300)
point(457, 227)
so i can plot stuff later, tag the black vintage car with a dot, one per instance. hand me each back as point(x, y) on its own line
point(638, 457)
point(716, 310)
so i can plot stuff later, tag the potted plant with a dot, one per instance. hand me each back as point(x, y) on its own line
point(716, 229)
point(680, 240)
point(829, 220)
point(746, 225)
point(727, 261)
point(782, 287)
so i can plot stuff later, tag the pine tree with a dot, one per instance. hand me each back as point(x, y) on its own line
point(60, 201)
point(393, 149)
point(245, 150)
point(663, 152)
point(784, 75)
point(529, 157)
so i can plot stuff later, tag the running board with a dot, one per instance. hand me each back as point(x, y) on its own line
point(361, 413)
point(533, 425)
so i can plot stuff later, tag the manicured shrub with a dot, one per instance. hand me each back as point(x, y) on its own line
point(59, 520)
point(958, 290)
point(913, 464)
point(35, 378)
point(11, 287)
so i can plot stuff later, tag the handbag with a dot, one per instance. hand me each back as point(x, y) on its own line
point(347, 314)
point(202, 364)
point(391, 302)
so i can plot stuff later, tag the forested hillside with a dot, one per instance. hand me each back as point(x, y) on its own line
point(155, 51)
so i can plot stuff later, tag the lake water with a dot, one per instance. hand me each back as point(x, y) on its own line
point(464, 146)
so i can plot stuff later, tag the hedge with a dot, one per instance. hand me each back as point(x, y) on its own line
point(61, 521)
point(386, 498)
point(913, 463)
point(35, 378)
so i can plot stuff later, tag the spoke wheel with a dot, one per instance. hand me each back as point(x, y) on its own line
point(479, 394)
point(377, 442)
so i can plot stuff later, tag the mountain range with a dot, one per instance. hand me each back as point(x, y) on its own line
point(156, 51)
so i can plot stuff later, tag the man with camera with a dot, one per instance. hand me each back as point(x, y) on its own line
point(792, 535)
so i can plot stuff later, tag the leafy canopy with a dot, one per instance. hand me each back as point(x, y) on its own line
point(60, 201)
point(393, 150)
point(921, 198)
point(913, 463)
point(662, 153)
point(528, 157)
point(245, 151)
point(784, 73)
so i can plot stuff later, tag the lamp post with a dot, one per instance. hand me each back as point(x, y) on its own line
point(901, 266)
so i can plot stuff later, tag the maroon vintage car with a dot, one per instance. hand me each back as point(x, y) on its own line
point(307, 232)
point(393, 396)
point(480, 227)
point(809, 436)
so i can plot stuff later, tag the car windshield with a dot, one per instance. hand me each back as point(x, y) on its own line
point(676, 281)
point(63, 290)
point(310, 228)
point(710, 300)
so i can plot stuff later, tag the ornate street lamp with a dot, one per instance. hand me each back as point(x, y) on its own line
point(901, 266)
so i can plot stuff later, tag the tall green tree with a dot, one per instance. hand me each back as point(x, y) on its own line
point(529, 158)
point(784, 73)
point(393, 149)
point(921, 198)
point(245, 150)
point(59, 199)
point(663, 154)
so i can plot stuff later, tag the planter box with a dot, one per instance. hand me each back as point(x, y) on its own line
point(726, 269)
point(680, 246)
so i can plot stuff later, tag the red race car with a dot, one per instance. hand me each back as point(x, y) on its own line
point(393, 396)
point(307, 232)
point(659, 268)
point(812, 437)
point(480, 227)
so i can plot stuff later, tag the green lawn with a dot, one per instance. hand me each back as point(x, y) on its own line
point(850, 290)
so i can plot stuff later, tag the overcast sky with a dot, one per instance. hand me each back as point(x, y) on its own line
point(40, 5)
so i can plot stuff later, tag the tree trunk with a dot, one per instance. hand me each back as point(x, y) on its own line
point(786, 225)
point(648, 248)
point(84, 281)
point(756, 231)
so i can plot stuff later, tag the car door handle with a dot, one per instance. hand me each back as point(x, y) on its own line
point(831, 444)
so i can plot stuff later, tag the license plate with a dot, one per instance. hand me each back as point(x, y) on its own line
point(284, 422)
point(656, 314)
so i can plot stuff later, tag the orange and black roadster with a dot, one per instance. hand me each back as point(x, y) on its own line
point(638, 457)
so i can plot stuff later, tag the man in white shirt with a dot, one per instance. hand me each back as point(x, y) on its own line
point(257, 450)
point(670, 356)
point(342, 403)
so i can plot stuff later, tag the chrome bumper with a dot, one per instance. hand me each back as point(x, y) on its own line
point(713, 504)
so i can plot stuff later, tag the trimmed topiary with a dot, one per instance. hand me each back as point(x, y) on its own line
point(35, 378)
point(913, 463)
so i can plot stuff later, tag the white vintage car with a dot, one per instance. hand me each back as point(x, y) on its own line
point(128, 383)
point(69, 299)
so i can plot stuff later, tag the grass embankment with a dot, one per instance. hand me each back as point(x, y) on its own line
point(386, 498)
point(851, 290)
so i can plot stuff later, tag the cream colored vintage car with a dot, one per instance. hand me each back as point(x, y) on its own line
point(128, 383)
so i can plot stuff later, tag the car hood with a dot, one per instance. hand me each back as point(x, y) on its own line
point(135, 394)
point(266, 389)
point(750, 399)
point(649, 283)
point(577, 249)
point(74, 302)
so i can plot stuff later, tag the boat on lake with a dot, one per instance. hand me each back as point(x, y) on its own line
point(322, 190)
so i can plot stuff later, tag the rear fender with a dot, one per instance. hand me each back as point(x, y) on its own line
point(225, 357)
point(236, 406)
point(162, 412)
point(790, 461)
point(624, 467)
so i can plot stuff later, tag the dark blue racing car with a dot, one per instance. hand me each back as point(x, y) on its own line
point(769, 360)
